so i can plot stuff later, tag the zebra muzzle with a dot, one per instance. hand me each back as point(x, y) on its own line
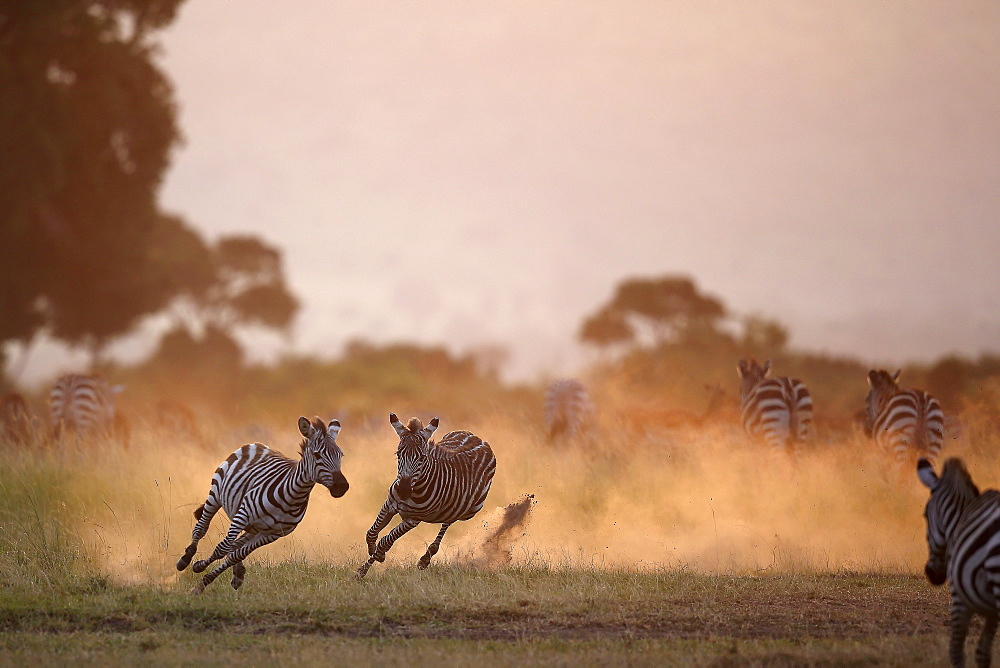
point(338, 486)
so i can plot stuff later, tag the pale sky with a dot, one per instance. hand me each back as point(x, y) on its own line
point(485, 173)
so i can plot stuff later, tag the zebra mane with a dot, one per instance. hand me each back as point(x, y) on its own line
point(957, 477)
point(414, 425)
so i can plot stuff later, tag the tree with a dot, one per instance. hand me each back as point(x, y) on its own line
point(667, 308)
point(86, 126)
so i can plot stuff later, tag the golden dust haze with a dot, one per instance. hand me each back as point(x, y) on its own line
point(703, 500)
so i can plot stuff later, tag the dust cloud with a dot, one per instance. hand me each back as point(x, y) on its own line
point(702, 500)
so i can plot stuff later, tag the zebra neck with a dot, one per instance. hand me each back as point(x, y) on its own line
point(298, 482)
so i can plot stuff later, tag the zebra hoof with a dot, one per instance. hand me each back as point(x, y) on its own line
point(379, 557)
point(237, 583)
point(199, 566)
point(361, 572)
point(423, 564)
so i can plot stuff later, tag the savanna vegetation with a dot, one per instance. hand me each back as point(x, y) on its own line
point(662, 537)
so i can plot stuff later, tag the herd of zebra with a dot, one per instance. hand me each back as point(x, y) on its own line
point(265, 494)
point(905, 424)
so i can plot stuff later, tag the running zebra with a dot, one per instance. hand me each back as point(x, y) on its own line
point(566, 409)
point(963, 539)
point(84, 404)
point(265, 495)
point(777, 411)
point(439, 483)
point(904, 423)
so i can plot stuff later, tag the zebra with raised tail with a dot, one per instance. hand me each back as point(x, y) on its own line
point(777, 411)
point(904, 423)
point(963, 540)
point(440, 483)
point(265, 495)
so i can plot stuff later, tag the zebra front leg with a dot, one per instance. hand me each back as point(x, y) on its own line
point(984, 651)
point(204, 515)
point(384, 545)
point(960, 616)
point(432, 549)
point(385, 516)
point(227, 545)
point(233, 558)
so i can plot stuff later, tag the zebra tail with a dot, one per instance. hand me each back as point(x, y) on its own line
point(198, 511)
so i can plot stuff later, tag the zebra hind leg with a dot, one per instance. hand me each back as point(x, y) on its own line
point(204, 518)
point(984, 651)
point(234, 560)
point(960, 616)
point(432, 549)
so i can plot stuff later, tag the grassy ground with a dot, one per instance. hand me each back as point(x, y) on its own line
point(508, 615)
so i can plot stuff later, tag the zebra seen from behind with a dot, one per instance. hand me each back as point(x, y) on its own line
point(963, 540)
point(84, 404)
point(265, 495)
point(440, 483)
point(566, 409)
point(777, 411)
point(905, 424)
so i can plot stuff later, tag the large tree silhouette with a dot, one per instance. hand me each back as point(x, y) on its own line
point(87, 122)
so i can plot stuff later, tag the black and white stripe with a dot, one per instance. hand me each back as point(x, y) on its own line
point(905, 424)
point(83, 404)
point(777, 411)
point(265, 495)
point(566, 409)
point(441, 483)
point(963, 539)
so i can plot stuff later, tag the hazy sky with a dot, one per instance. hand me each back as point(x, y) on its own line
point(487, 173)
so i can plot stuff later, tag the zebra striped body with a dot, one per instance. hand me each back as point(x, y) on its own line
point(265, 495)
point(963, 539)
point(83, 404)
point(905, 424)
point(440, 483)
point(777, 411)
point(566, 409)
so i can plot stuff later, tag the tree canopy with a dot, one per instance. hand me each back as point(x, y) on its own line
point(86, 128)
point(666, 308)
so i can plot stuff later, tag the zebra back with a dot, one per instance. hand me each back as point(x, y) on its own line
point(904, 423)
point(82, 403)
point(566, 409)
point(778, 410)
point(452, 477)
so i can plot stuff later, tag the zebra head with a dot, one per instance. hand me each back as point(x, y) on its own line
point(950, 494)
point(321, 455)
point(882, 386)
point(411, 452)
point(751, 373)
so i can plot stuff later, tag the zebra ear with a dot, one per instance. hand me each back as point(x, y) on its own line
point(741, 369)
point(397, 425)
point(431, 427)
point(925, 471)
point(333, 429)
point(895, 376)
point(305, 427)
point(766, 368)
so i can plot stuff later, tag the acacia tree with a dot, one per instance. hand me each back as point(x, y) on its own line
point(87, 122)
point(666, 309)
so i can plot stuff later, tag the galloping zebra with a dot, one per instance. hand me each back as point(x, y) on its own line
point(265, 495)
point(83, 404)
point(777, 411)
point(566, 409)
point(439, 483)
point(905, 423)
point(963, 539)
